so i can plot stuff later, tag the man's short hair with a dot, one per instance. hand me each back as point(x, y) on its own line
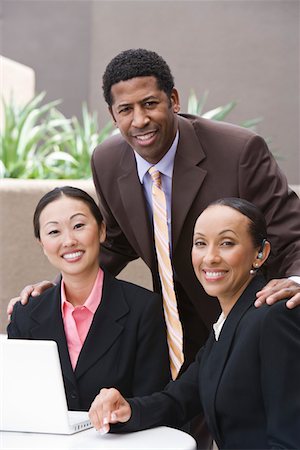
point(137, 63)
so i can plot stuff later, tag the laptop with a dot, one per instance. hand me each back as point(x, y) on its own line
point(32, 394)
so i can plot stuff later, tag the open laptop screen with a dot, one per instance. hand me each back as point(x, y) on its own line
point(32, 394)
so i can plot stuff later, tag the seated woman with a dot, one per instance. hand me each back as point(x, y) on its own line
point(109, 332)
point(246, 377)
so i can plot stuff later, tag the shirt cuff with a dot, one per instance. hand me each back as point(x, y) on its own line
point(295, 278)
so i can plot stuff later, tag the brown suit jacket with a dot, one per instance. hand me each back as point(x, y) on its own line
point(213, 160)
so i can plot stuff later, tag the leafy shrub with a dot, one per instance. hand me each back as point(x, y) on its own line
point(38, 141)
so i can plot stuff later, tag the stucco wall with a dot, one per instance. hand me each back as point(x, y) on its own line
point(16, 82)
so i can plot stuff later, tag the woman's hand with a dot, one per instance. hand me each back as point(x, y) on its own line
point(109, 407)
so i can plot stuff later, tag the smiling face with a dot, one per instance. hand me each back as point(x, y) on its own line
point(223, 253)
point(145, 116)
point(70, 236)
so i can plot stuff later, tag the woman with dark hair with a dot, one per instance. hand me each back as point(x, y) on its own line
point(246, 378)
point(109, 332)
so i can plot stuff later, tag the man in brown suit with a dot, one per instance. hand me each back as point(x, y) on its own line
point(209, 160)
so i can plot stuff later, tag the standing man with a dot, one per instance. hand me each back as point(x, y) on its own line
point(198, 161)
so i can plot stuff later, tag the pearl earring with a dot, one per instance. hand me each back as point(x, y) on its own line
point(254, 269)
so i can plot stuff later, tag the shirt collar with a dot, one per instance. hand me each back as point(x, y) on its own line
point(219, 325)
point(93, 300)
point(164, 166)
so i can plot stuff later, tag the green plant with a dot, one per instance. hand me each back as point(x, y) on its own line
point(27, 138)
point(38, 141)
point(72, 158)
point(196, 107)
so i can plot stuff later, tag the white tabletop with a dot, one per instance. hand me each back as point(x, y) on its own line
point(157, 438)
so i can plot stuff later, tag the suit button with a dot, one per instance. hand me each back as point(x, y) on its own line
point(73, 395)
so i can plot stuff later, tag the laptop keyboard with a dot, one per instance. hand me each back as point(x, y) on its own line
point(76, 417)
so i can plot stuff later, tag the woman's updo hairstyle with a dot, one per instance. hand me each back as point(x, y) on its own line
point(257, 226)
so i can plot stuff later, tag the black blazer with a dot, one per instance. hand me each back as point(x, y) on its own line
point(126, 345)
point(247, 382)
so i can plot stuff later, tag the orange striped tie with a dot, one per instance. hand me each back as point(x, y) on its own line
point(161, 236)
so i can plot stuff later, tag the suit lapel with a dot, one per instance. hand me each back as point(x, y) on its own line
point(105, 328)
point(49, 326)
point(219, 352)
point(187, 180)
point(132, 196)
point(187, 176)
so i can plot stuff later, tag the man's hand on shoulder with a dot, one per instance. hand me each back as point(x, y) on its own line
point(280, 289)
point(30, 290)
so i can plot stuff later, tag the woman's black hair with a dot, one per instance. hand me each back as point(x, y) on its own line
point(67, 191)
point(257, 226)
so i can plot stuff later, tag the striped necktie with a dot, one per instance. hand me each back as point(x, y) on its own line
point(161, 237)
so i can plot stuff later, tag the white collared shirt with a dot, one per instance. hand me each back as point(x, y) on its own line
point(218, 325)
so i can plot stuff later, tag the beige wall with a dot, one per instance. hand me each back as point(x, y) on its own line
point(16, 82)
point(240, 50)
point(52, 37)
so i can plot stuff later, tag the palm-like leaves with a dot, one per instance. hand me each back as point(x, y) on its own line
point(196, 107)
point(27, 137)
point(40, 142)
point(73, 161)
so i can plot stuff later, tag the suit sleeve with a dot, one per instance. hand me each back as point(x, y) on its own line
point(280, 351)
point(15, 328)
point(152, 366)
point(174, 406)
point(262, 182)
point(116, 252)
point(12, 329)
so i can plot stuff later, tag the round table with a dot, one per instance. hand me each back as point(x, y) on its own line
point(159, 438)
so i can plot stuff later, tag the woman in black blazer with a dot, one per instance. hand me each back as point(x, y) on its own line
point(246, 377)
point(109, 332)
